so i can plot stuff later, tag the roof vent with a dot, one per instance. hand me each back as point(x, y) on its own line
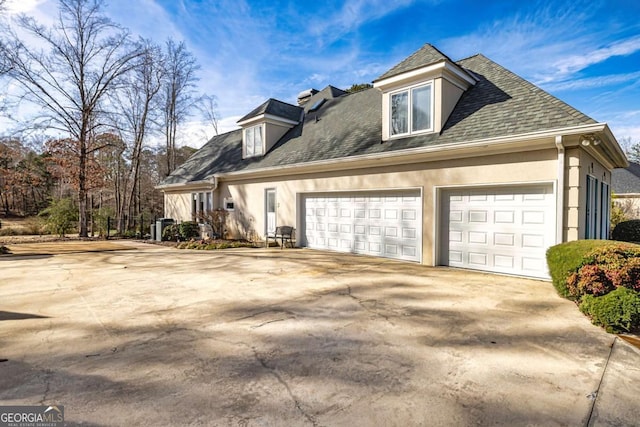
point(305, 95)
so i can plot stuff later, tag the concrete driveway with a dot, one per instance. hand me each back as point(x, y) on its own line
point(136, 334)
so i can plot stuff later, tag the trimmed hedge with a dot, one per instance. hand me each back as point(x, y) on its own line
point(627, 231)
point(603, 277)
point(566, 258)
point(605, 269)
point(617, 311)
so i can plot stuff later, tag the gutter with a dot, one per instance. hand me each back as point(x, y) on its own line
point(211, 182)
point(472, 147)
point(560, 191)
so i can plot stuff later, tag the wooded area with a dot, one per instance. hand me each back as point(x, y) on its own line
point(109, 94)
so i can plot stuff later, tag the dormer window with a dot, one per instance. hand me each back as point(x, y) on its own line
point(411, 110)
point(263, 127)
point(253, 138)
point(420, 93)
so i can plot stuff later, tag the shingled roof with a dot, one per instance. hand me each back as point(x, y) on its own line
point(275, 108)
point(426, 55)
point(500, 104)
point(626, 181)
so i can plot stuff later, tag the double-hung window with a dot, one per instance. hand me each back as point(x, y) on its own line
point(411, 110)
point(253, 141)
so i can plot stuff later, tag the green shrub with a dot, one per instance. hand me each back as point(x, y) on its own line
point(60, 216)
point(605, 268)
point(627, 231)
point(589, 280)
point(566, 258)
point(171, 233)
point(617, 311)
point(188, 230)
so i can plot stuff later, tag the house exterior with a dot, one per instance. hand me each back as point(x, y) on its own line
point(626, 189)
point(458, 163)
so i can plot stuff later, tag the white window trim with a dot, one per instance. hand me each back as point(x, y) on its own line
point(409, 90)
point(246, 155)
point(227, 201)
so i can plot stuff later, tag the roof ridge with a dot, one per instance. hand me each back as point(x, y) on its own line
point(426, 55)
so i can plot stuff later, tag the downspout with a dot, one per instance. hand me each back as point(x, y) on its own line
point(560, 191)
point(215, 197)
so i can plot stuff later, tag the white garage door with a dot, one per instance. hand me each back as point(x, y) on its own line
point(505, 229)
point(380, 224)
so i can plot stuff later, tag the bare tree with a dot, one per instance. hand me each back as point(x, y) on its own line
point(207, 105)
point(82, 58)
point(178, 87)
point(135, 106)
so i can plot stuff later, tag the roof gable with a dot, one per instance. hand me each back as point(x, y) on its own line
point(426, 55)
point(276, 108)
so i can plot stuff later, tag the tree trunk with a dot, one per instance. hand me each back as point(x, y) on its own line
point(82, 188)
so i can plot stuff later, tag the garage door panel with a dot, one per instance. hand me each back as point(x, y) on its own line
point(379, 224)
point(499, 229)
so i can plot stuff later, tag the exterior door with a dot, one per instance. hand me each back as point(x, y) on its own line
point(270, 209)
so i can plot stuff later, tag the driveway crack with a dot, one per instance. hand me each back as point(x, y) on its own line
point(363, 304)
point(47, 385)
point(277, 376)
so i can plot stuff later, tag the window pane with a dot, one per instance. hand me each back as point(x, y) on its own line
point(271, 201)
point(257, 140)
point(399, 113)
point(421, 108)
point(248, 142)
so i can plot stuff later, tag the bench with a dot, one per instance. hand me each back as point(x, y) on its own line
point(284, 233)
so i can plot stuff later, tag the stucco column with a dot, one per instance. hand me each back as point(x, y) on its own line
point(572, 194)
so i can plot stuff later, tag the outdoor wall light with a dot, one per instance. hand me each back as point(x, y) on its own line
point(589, 139)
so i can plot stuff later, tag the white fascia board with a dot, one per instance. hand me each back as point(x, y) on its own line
point(409, 75)
point(618, 152)
point(251, 121)
point(280, 120)
point(429, 71)
point(264, 118)
point(545, 139)
point(461, 73)
point(205, 183)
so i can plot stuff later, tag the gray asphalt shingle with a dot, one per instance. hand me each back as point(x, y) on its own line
point(626, 181)
point(499, 105)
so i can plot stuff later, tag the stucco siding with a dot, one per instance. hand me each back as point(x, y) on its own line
point(248, 218)
point(177, 206)
point(580, 164)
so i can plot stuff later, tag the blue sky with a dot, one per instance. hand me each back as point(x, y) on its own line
point(586, 53)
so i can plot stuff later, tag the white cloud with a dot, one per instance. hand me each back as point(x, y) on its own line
point(23, 6)
point(353, 14)
point(548, 43)
point(593, 82)
point(573, 63)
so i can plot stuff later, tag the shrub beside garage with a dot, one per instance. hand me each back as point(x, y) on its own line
point(603, 277)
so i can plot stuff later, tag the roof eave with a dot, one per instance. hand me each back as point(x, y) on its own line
point(441, 65)
point(524, 142)
point(204, 183)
